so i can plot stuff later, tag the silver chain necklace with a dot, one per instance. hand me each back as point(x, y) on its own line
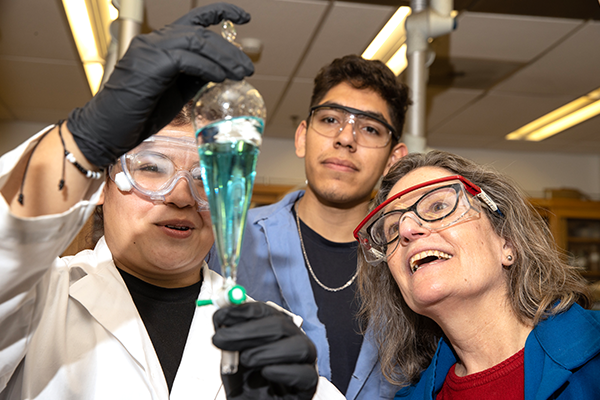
point(312, 273)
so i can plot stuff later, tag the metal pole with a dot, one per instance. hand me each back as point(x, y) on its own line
point(416, 43)
point(424, 22)
point(122, 30)
point(414, 137)
point(131, 16)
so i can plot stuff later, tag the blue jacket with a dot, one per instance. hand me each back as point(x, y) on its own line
point(272, 269)
point(562, 360)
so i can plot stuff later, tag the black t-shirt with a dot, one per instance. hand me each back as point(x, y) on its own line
point(167, 315)
point(334, 264)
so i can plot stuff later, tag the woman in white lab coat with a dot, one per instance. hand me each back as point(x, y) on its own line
point(120, 321)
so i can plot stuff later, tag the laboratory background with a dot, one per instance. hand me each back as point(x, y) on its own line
point(513, 84)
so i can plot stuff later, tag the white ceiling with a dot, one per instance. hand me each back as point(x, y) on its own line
point(495, 73)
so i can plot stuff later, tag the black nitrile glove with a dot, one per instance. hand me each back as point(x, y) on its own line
point(160, 72)
point(277, 360)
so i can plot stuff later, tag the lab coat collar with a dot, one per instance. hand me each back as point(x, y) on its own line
point(101, 290)
point(199, 366)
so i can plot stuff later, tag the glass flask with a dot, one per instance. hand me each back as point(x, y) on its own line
point(229, 119)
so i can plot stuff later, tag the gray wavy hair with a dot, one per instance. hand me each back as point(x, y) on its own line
point(540, 282)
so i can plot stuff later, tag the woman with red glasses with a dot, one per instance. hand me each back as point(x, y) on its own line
point(468, 295)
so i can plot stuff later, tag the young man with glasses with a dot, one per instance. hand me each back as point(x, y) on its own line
point(300, 252)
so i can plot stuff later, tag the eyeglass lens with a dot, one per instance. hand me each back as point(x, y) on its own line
point(433, 208)
point(368, 132)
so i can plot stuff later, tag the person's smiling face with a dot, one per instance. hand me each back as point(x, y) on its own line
point(160, 242)
point(339, 170)
point(464, 260)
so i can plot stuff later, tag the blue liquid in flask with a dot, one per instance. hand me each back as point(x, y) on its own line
point(228, 156)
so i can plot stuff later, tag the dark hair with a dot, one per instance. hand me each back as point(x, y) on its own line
point(540, 283)
point(184, 116)
point(365, 74)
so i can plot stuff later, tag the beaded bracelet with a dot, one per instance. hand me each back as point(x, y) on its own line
point(68, 157)
point(89, 174)
point(71, 158)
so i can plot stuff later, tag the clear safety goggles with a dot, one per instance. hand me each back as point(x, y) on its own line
point(369, 130)
point(155, 166)
point(434, 205)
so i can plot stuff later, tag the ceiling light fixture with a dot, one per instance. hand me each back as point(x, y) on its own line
point(90, 21)
point(389, 45)
point(562, 118)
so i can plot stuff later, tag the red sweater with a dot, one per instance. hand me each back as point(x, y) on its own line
point(504, 381)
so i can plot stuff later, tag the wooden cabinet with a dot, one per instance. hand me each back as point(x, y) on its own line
point(575, 225)
point(263, 195)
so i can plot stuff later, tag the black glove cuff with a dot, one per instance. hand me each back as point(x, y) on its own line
point(100, 154)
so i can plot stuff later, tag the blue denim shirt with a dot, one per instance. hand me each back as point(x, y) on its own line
point(272, 269)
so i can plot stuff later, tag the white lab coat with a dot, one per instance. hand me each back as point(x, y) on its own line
point(69, 328)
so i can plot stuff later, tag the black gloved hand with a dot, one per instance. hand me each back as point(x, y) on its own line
point(160, 72)
point(277, 360)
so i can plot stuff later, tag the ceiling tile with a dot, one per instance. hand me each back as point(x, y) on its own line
point(348, 29)
point(21, 82)
point(586, 130)
point(575, 9)
point(571, 68)
point(581, 139)
point(496, 115)
point(44, 33)
point(442, 103)
point(284, 28)
point(506, 37)
point(470, 73)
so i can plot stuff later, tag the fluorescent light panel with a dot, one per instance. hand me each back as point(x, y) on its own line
point(562, 118)
point(398, 62)
point(389, 44)
point(90, 21)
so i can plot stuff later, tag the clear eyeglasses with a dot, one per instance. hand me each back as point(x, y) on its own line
point(434, 205)
point(369, 130)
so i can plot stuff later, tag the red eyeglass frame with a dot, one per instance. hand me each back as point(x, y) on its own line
point(472, 188)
